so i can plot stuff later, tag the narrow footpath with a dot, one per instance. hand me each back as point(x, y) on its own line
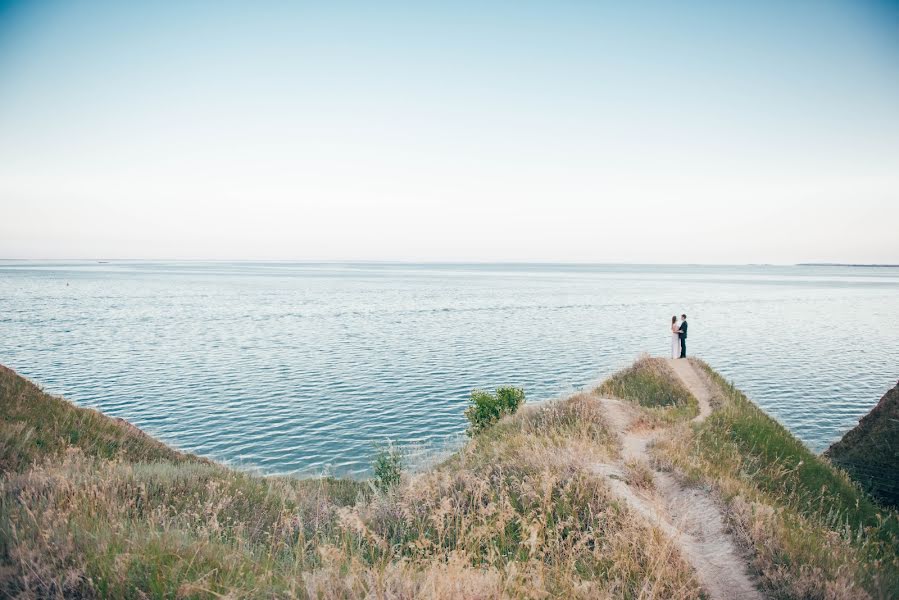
point(691, 517)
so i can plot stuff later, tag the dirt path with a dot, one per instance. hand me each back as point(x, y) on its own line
point(687, 374)
point(690, 517)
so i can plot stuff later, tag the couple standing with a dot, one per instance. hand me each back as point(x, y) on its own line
point(679, 337)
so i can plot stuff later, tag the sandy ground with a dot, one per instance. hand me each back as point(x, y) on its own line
point(691, 517)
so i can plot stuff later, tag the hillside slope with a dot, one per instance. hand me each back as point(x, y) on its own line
point(91, 507)
point(870, 451)
point(35, 426)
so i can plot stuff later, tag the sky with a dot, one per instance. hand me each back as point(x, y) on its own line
point(676, 132)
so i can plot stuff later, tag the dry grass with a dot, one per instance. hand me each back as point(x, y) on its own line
point(109, 513)
point(515, 513)
point(639, 475)
point(812, 532)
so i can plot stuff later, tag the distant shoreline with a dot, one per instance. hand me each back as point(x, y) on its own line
point(845, 265)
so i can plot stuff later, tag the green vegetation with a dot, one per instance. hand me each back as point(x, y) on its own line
point(36, 426)
point(813, 532)
point(870, 451)
point(651, 384)
point(387, 467)
point(486, 409)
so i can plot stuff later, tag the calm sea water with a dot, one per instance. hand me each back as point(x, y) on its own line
point(301, 368)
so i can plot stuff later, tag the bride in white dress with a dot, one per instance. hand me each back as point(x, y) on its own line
point(675, 338)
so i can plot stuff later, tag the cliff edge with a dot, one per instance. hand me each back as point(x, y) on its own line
point(870, 451)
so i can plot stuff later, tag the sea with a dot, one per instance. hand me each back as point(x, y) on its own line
point(307, 369)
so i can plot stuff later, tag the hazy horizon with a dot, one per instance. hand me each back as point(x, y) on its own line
point(366, 261)
point(534, 133)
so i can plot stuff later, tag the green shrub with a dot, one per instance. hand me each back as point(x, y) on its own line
point(388, 467)
point(486, 409)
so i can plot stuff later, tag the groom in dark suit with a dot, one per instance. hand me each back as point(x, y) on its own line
point(682, 334)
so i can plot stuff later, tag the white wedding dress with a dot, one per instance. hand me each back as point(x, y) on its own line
point(675, 342)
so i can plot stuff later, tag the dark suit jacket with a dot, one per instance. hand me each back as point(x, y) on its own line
point(682, 330)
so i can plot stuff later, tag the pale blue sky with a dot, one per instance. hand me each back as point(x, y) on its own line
point(581, 131)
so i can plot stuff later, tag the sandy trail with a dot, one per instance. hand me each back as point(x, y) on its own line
point(690, 517)
point(687, 374)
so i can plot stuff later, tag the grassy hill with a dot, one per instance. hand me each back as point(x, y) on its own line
point(36, 427)
point(90, 507)
point(870, 451)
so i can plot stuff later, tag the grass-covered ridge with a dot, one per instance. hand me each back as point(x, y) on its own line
point(869, 452)
point(812, 531)
point(111, 513)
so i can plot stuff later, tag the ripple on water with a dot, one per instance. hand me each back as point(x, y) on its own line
point(302, 369)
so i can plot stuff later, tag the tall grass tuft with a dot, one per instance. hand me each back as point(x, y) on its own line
point(650, 383)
